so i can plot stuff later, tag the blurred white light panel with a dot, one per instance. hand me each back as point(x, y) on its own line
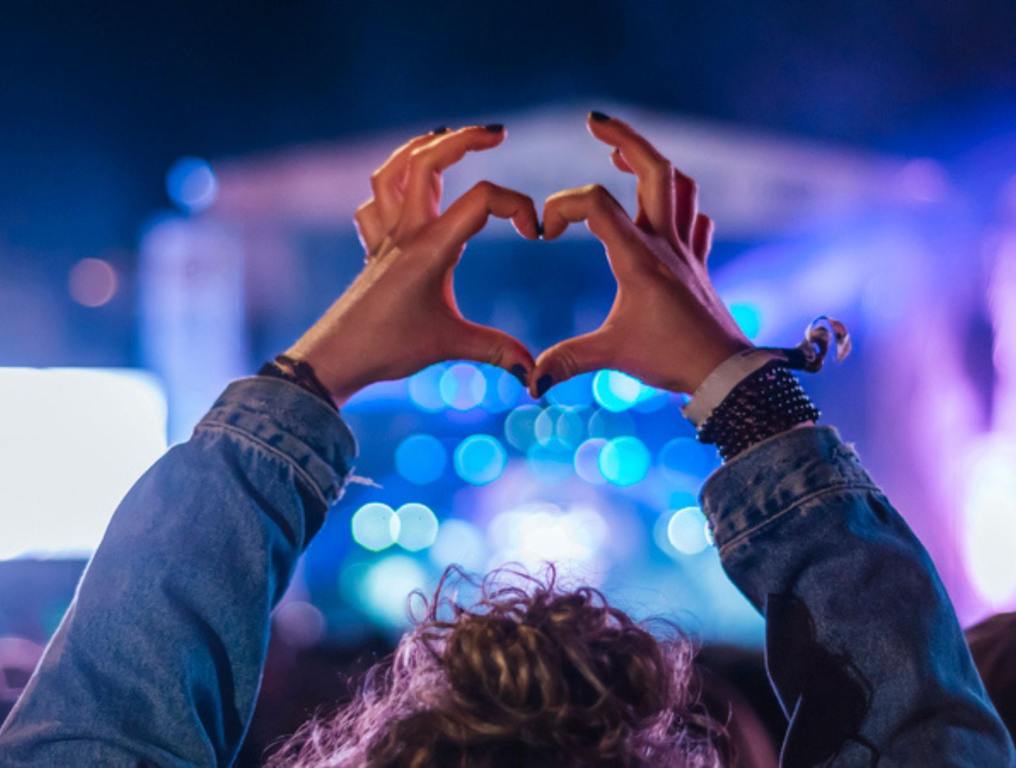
point(72, 442)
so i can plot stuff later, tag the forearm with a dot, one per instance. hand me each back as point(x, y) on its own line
point(862, 643)
point(159, 658)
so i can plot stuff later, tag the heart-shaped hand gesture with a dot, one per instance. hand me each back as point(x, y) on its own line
point(400, 315)
point(667, 326)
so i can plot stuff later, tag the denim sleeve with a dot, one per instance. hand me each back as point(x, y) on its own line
point(159, 658)
point(862, 645)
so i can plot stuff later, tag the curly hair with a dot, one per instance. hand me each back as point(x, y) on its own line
point(530, 675)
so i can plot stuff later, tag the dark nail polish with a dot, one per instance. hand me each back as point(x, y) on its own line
point(519, 372)
point(440, 129)
point(539, 229)
point(495, 127)
point(599, 116)
point(543, 384)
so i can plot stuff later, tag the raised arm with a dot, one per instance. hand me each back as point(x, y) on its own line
point(863, 647)
point(159, 658)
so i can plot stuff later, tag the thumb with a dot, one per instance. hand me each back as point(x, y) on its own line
point(483, 344)
point(567, 359)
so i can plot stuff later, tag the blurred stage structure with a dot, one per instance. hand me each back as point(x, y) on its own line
point(603, 476)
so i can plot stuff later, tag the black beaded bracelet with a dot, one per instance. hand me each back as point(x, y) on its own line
point(297, 372)
point(769, 401)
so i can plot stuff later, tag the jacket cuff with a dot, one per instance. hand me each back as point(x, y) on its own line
point(775, 476)
point(292, 421)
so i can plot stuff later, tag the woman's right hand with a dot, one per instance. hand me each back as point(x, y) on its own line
point(667, 326)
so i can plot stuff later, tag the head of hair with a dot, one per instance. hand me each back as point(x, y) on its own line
point(528, 673)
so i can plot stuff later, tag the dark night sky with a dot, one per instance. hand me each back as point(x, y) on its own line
point(97, 99)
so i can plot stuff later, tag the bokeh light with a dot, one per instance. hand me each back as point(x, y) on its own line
point(387, 585)
point(559, 427)
point(300, 623)
point(990, 517)
point(418, 526)
point(551, 465)
point(375, 526)
point(686, 531)
point(191, 184)
point(459, 542)
point(502, 390)
point(748, 317)
point(425, 388)
point(520, 426)
point(421, 459)
point(607, 424)
point(616, 391)
point(624, 461)
point(540, 532)
point(480, 459)
point(462, 386)
point(92, 282)
point(587, 461)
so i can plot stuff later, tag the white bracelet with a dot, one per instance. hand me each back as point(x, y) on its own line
point(727, 375)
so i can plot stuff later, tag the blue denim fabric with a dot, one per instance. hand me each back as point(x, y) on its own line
point(159, 659)
point(862, 645)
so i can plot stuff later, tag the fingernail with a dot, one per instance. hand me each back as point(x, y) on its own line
point(519, 372)
point(495, 127)
point(543, 384)
point(599, 116)
point(441, 129)
point(539, 229)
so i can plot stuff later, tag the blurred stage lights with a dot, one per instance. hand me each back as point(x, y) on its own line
point(421, 459)
point(537, 533)
point(587, 461)
point(92, 282)
point(425, 388)
point(191, 184)
point(377, 526)
point(624, 461)
point(616, 391)
point(685, 458)
point(480, 459)
point(686, 531)
point(386, 586)
point(559, 427)
point(748, 317)
point(459, 542)
point(520, 426)
point(462, 386)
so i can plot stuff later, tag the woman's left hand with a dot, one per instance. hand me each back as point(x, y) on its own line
point(400, 315)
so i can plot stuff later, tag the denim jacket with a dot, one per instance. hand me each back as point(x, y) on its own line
point(159, 658)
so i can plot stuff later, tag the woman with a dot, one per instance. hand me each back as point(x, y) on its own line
point(158, 660)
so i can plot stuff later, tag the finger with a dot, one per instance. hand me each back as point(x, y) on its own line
point(388, 182)
point(369, 226)
point(702, 237)
point(686, 205)
point(603, 215)
point(619, 162)
point(489, 345)
point(654, 172)
point(569, 358)
point(422, 199)
point(469, 214)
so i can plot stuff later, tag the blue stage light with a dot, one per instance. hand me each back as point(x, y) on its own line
point(375, 526)
point(459, 542)
point(616, 391)
point(686, 531)
point(418, 526)
point(559, 428)
point(549, 464)
point(480, 459)
point(748, 317)
point(386, 587)
point(421, 459)
point(587, 461)
point(425, 388)
point(502, 392)
point(191, 184)
point(624, 461)
point(606, 424)
point(520, 426)
point(463, 386)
